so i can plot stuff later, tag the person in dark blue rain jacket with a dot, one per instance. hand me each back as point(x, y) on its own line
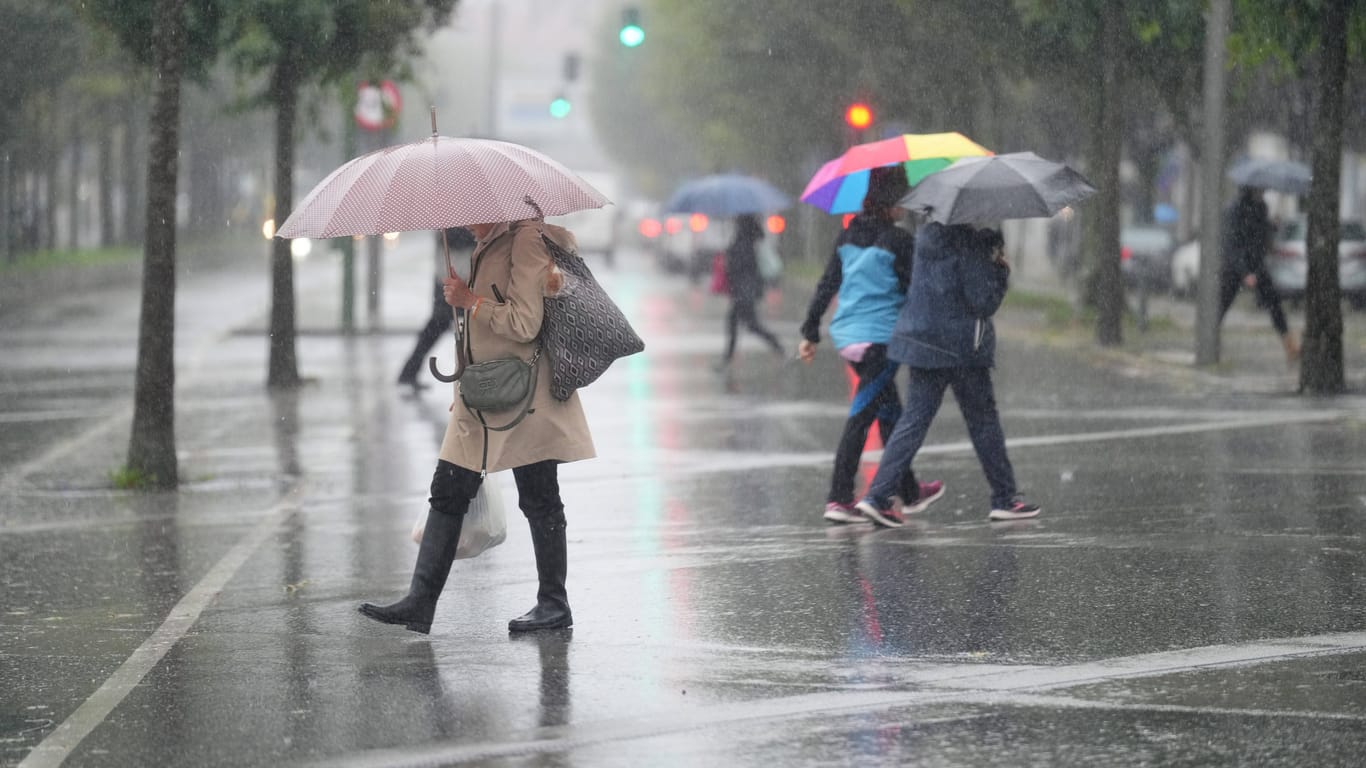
point(869, 270)
point(944, 334)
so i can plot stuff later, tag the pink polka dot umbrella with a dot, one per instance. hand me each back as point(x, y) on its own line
point(436, 183)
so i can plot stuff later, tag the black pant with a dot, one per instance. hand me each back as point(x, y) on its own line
point(875, 399)
point(437, 324)
point(743, 310)
point(1229, 283)
point(538, 490)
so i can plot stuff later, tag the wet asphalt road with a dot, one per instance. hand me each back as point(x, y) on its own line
point(1194, 593)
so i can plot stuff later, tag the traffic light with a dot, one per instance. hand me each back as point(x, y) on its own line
point(858, 116)
point(631, 33)
point(559, 108)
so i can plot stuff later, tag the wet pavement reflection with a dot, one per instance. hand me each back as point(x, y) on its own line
point(1192, 594)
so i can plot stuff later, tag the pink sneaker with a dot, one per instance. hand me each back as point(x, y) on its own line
point(890, 517)
point(929, 493)
point(836, 512)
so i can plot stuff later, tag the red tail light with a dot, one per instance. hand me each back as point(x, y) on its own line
point(650, 228)
point(697, 222)
point(1126, 253)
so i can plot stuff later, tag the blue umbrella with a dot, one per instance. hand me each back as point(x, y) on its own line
point(1280, 175)
point(727, 194)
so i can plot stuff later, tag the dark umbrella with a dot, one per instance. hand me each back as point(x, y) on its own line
point(1280, 175)
point(727, 194)
point(1020, 185)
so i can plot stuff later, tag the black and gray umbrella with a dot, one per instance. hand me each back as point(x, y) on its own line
point(976, 190)
point(1280, 175)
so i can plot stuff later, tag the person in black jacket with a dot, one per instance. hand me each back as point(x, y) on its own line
point(1246, 239)
point(870, 270)
point(746, 286)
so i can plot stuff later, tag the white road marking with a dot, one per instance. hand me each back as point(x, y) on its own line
point(57, 746)
point(675, 463)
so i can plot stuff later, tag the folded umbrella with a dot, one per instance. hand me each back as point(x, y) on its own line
point(1280, 175)
point(725, 195)
point(1020, 185)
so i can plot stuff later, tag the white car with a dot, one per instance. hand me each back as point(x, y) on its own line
point(1186, 268)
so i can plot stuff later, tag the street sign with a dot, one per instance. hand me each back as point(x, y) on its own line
point(377, 106)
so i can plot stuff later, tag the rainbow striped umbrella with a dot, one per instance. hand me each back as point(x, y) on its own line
point(839, 185)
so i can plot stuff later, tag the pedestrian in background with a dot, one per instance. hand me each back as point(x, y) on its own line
point(945, 335)
point(1246, 239)
point(460, 242)
point(746, 286)
point(511, 273)
point(870, 270)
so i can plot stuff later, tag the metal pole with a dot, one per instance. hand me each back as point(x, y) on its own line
point(373, 245)
point(1211, 186)
point(5, 220)
point(495, 44)
point(347, 244)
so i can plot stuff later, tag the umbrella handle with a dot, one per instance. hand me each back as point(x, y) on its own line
point(438, 375)
point(459, 358)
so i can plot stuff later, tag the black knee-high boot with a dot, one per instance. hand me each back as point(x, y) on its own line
point(434, 557)
point(552, 564)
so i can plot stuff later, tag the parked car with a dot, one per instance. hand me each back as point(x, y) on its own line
point(1186, 268)
point(1146, 257)
point(1289, 263)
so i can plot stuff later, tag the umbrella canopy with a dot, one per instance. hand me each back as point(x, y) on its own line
point(725, 195)
point(839, 185)
point(1280, 175)
point(1020, 185)
point(436, 183)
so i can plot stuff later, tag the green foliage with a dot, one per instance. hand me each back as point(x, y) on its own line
point(1285, 35)
point(39, 46)
point(130, 21)
point(323, 41)
point(39, 260)
point(129, 479)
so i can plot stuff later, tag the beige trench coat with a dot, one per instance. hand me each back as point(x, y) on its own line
point(513, 258)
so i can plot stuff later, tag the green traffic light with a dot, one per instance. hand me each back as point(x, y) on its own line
point(631, 35)
point(559, 108)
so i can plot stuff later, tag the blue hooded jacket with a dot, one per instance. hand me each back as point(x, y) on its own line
point(956, 286)
point(869, 270)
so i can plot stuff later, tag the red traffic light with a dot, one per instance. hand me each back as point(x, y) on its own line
point(859, 115)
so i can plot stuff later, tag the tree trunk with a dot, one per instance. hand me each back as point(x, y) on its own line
point(284, 371)
point(1109, 288)
point(73, 192)
point(151, 450)
point(106, 187)
point(133, 126)
point(1321, 364)
point(1211, 166)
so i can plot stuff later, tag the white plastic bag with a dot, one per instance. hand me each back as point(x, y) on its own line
point(485, 525)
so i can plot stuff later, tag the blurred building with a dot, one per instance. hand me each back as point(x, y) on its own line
point(496, 68)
